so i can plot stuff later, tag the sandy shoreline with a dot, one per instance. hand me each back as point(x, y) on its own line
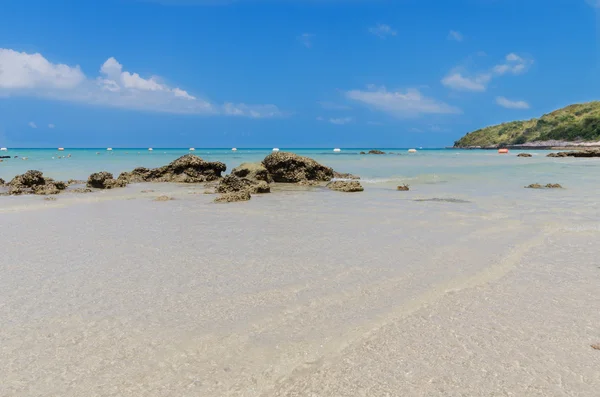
point(296, 293)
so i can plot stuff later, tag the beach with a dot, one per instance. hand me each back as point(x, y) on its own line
point(468, 284)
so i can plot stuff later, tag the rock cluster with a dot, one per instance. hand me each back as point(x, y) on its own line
point(104, 180)
point(547, 186)
point(524, 155)
point(403, 188)
point(346, 186)
point(375, 152)
point(186, 169)
point(34, 182)
point(577, 153)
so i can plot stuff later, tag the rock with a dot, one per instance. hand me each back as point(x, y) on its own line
point(376, 152)
point(252, 171)
point(2, 181)
point(403, 188)
point(49, 198)
point(340, 175)
point(29, 179)
point(291, 168)
point(548, 186)
point(232, 183)
point(577, 153)
point(104, 180)
point(81, 190)
point(363, 152)
point(308, 183)
point(346, 186)
point(186, 169)
point(5, 157)
point(243, 195)
point(34, 182)
point(163, 198)
point(524, 155)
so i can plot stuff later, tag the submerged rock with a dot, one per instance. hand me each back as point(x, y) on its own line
point(553, 186)
point(524, 155)
point(346, 186)
point(75, 182)
point(81, 190)
point(291, 168)
point(403, 188)
point(534, 186)
point(105, 180)
point(376, 152)
point(243, 195)
point(340, 175)
point(34, 182)
point(163, 198)
point(186, 169)
point(253, 172)
point(363, 153)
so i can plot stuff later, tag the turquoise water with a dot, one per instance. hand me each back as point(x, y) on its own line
point(472, 172)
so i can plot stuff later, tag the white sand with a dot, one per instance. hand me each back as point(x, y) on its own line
point(297, 294)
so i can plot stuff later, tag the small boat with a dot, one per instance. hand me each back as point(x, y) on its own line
point(60, 149)
point(109, 149)
point(337, 150)
point(192, 149)
point(503, 151)
point(234, 149)
point(150, 149)
point(3, 149)
point(275, 149)
point(412, 150)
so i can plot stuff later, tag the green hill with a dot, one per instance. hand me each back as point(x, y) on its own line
point(580, 122)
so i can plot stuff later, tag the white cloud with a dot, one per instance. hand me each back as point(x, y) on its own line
point(382, 30)
point(458, 82)
point(513, 64)
point(33, 75)
point(410, 103)
point(507, 103)
point(341, 120)
point(19, 70)
point(51, 126)
point(456, 36)
point(333, 106)
point(306, 39)
point(32, 124)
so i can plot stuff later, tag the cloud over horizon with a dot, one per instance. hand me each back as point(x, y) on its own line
point(407, 104)
point(24, 74)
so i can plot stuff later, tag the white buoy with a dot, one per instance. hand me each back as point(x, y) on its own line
point(192, 149)
point(60, 149)
point(275, 149)
point(3, 149)
point(150, 149)
point(412, 150)
point(337, 150)
point(234, 149)
point(109, 149)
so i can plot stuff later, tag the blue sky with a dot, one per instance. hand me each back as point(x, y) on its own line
point(286, 73)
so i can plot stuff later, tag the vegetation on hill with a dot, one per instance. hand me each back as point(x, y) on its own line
point(579, 122)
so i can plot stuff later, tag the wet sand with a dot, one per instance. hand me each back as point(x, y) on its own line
point(299, 293)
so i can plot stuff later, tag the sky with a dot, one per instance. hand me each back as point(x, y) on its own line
point(287, 73)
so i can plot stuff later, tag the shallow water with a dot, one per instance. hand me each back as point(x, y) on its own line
point(306, 291)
